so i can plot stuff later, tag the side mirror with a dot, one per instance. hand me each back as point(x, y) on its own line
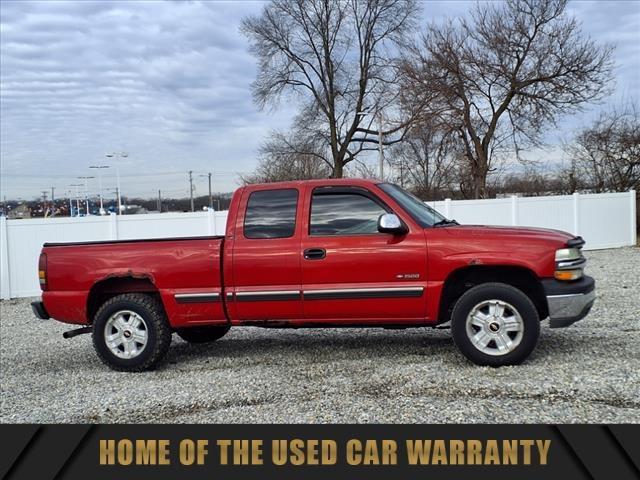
point(390, 223)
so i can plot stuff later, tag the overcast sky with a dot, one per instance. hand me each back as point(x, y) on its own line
point(168, 83)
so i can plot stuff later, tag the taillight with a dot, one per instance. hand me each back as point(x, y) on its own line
point(42, 272)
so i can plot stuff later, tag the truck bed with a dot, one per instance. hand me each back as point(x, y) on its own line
point(184, 272)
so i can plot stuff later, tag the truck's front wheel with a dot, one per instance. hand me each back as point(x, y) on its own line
point(495, 324)
point(131, 332)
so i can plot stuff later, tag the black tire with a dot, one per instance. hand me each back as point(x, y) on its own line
point(158, 332)
point(509, 298)
point(202, 334)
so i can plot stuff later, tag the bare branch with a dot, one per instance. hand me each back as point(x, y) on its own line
point(507, 72)
point(334, 56)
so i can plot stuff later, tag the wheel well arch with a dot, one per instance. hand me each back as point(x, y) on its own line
point(462, 279)
point(111, 286)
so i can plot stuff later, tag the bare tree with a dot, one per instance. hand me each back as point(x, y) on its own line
point(607, 153)
point(426, 160)
point(336, 58)
point(533, 182)
point(283, 157)
point(504, 74)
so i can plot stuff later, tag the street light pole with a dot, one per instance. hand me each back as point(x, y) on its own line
point(70, 203)
point(118, 190)
point(114, 155)
point(100, 167)
point(114, 190)
point(77, 197)
point(86, 193)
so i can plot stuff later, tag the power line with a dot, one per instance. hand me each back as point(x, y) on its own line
point(131, 175)
point(146, 184)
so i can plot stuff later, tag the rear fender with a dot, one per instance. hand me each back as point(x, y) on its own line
point(116, 284)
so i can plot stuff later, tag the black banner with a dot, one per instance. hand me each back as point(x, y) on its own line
point(319, 451)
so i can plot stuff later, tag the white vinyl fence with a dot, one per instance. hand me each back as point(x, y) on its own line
point(606, 220)
point(22, 240)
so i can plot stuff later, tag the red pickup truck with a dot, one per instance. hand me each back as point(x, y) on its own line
point(323, 253)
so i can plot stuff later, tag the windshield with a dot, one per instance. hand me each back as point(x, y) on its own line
point(424, 215)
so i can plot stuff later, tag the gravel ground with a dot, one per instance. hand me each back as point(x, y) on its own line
point(589, 372)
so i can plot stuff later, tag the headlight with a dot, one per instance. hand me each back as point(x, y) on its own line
point(567, 254)
point(569, 264)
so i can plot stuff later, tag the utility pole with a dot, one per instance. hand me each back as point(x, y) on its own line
point(208, 175)
point(53, 202)
point(378, 117)
point(191, 189)
point(159, 202)
point(44, 203)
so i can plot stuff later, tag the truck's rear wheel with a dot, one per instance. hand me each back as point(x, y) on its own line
point(202, 334)
point(495, 324)
point(131, 332)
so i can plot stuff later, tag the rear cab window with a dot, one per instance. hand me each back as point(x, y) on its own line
point(271, 214)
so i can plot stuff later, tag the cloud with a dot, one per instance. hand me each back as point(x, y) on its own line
point(168, 82)
point(616, 23)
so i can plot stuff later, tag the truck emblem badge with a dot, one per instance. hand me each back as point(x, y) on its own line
point(408, 276)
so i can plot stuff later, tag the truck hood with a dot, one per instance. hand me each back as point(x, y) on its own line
point(511, 233)
point(461, 245)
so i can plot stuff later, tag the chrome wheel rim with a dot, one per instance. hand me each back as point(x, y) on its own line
point(495, 327)
point(126, 334)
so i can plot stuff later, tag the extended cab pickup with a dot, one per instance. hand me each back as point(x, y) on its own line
point(322, 253)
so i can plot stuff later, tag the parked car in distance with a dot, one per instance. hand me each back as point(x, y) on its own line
point(321, 253)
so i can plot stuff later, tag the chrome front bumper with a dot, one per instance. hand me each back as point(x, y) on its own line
point(569, 301)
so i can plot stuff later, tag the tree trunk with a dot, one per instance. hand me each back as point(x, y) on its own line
point(479, 185)
point(479, 171)
point(338, 169)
